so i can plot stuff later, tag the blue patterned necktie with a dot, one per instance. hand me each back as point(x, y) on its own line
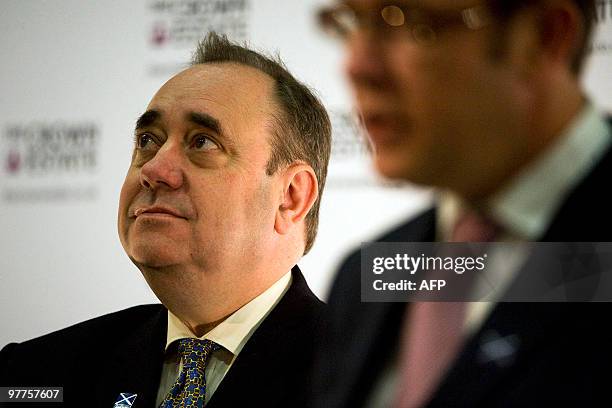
point(190, 387)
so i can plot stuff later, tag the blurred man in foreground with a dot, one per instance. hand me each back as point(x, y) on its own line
point(219, 203)
point(482, 100)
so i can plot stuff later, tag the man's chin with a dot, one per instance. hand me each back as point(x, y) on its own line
point(394, 166)
point(151, 258)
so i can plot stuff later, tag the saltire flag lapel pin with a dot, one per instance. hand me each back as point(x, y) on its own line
point(125, 400)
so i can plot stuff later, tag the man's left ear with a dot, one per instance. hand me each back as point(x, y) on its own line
point(300, 191)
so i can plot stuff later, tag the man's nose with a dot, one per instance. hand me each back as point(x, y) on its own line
point(164, 170)
point(364, 62)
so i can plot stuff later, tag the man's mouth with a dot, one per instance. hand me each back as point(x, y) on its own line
point(383, 128)
point(157, 211)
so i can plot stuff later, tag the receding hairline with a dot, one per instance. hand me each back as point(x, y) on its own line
point(259, 77)
point(200, 68)
point(243, 73)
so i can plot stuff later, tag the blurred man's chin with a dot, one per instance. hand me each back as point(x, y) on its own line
point(394, 166)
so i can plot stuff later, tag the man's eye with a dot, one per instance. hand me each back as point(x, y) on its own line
point(144, 141)
point(203, 142)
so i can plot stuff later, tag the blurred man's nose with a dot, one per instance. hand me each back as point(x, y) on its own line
point(164, 170)
point(364, 63)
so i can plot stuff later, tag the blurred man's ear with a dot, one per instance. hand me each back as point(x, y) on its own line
point(300, 191)
point(541, 36)
point(562, 31)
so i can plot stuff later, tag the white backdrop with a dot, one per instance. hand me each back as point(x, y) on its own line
point(74, 77)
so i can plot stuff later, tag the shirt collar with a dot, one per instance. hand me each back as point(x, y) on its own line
point(233, 333)
point(527, 204)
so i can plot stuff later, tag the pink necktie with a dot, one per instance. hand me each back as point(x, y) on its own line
point(432, 331)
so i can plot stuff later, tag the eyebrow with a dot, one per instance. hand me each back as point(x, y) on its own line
point(205, 120)
point(147, 119)
point(152, 116)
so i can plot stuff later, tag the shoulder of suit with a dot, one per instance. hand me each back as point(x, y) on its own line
point(347, 282)
point(299, 303)
point(97, 330)
point(583, 214)
point(412, 229)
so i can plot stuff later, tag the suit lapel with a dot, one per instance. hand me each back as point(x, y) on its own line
point(135, 365)
point(266, 361)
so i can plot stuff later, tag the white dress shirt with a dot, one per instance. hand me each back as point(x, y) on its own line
point(231, 334)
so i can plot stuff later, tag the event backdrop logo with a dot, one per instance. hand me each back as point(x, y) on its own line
point(602, 43)
point(349, 140)
point(176, 26)
point(603, 10)
point(350, 161)
point(52, 160)
point(52, 148)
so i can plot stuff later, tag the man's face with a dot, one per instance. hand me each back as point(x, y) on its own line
point(196, 193)
point(439, 112)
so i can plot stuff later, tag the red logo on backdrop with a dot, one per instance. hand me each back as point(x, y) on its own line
point(13, 162)
point(160, 34)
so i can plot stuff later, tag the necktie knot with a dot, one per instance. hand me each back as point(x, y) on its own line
point(472, 226)
point(189, 390)
point(195, 352)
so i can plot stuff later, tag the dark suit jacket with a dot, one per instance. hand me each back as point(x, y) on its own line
point(563, 354)
point(123, 352)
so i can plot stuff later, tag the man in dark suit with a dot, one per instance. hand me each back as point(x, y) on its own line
point(482, 101)
point(219, 203)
